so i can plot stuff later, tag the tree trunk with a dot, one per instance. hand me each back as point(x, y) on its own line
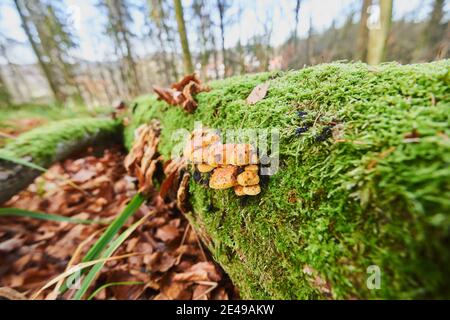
point(221, 7)
point(48, 75)
point(363, 33)
point(187, 60)
point(5, 97)
point(378, 34)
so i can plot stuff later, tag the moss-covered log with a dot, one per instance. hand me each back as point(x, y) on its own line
point(47, 144)
point(375, 194)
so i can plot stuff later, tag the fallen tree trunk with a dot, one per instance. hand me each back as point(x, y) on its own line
point(46, 145)
point(362, 192)
point(362, 189)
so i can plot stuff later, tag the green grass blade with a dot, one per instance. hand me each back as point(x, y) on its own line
point(107, 285)
point(111, 231)
point(15, 212)
point(87, 281)
point(22, 162)
point(114, 227)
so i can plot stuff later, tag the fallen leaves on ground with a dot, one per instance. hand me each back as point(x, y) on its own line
point(171, 262)
point(182, 93)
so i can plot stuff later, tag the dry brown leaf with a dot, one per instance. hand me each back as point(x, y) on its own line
point(258, 93)
point(142, 159)
point(181, 93)
point(167, 233)
point(160, 262)
point(182, 194)
point(11, 244)
point(202, 271)
point(83, 175)
point(11, 294)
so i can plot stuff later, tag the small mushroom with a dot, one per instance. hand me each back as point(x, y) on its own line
point(210, 139)
point(239, 190)
point(203, 168)
point(223, 177)
point(252, 168)
point(248, 178)
point(252, 190)
point(217, 155)
point(199, 156)
point(240, 155)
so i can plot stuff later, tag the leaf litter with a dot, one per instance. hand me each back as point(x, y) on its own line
point(165, 258)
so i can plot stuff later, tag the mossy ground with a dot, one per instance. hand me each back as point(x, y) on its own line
point(337, 207)
point(50, 143)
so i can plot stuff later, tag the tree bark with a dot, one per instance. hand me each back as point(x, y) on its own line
point(48, 75)
point(378, 34)
point(187, 59)
point(363, 33)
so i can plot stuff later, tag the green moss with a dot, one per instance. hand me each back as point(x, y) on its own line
point(52, 142)
point(375, 199)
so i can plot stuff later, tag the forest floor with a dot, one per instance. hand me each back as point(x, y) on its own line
point(171, 262)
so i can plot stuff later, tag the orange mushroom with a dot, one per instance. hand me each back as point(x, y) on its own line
point(223, 177)
point(252, 190)
point(248, 178)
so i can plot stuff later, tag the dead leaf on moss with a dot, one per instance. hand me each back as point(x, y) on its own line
point(182, 93)
point(182, 193)
point(142, 159)
point(172, 170)
point(258, 93)
point(316, 281)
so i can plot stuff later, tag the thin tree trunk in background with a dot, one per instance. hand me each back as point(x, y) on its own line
point(363, 33)
point(378, 35)
point(117, 88)
point(159, 16)
point(105, 83)
point(215, 58)
point(309, 44)
point(221, 7)
point(434, 31)
point(297, 17)
point(187, 60)
point(53, 87)
point(5, 97)
point(16, 78)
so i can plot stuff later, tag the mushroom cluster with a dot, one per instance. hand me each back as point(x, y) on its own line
point(231, 165)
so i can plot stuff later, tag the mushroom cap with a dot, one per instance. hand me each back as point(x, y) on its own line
point(241, 154)
point(248, 178)
point(234, 154)
point(252, 190)
point(200, 138)
point(203, 168)
point(252, 167)
point(239, 190)
point(223, 177)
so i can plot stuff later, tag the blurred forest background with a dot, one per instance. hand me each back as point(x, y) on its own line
point(98, 52)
